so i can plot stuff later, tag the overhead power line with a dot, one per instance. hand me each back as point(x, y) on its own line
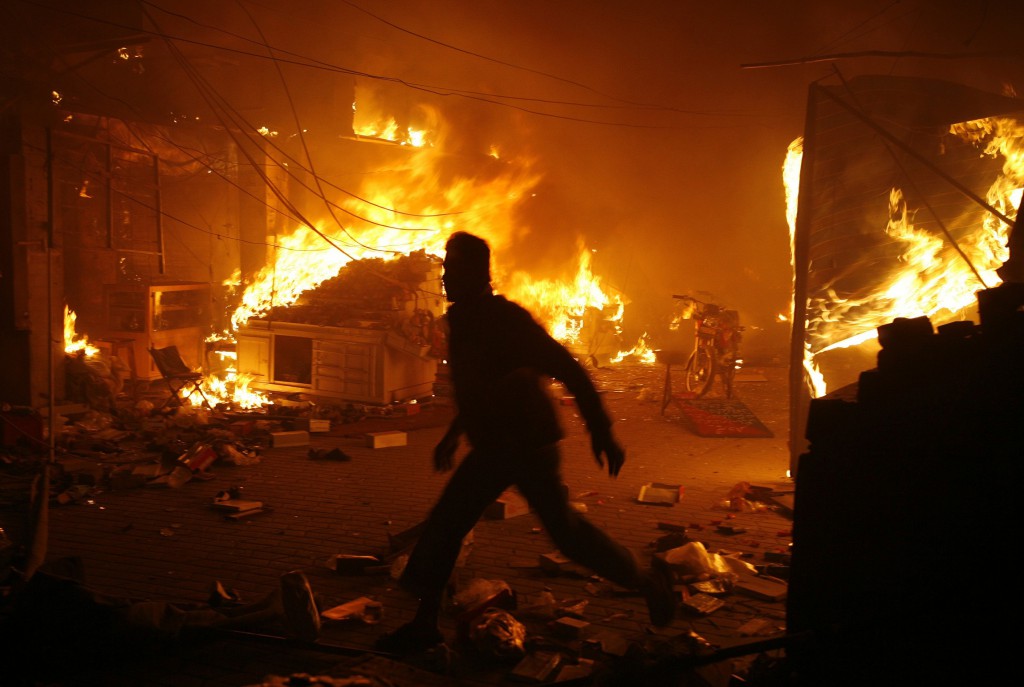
point(311, 63)
point(995, 54)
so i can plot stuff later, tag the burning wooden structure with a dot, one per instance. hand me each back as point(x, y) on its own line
point(372, 334)
point(907, 190)
point(900, 488)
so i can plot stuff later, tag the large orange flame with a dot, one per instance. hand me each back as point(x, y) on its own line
point(433, 206)
point(564, 306)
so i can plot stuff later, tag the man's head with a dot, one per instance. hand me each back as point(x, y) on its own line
point(467, 266)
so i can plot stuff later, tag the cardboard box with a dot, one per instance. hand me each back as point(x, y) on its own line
point(318, 425)
point(294, 438)
point(509, 505)
point(512, 504)
point(386, 439)
point(659, 494)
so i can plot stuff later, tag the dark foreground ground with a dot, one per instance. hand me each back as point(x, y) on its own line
point(168, 545)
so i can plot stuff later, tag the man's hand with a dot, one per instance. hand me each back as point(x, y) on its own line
point(444, 452)
point(604, 444)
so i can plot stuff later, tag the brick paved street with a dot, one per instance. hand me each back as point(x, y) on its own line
point(168, 544)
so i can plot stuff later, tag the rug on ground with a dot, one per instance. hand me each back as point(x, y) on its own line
point(721, 417)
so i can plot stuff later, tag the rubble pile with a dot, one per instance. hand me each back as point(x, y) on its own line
point(901, 490)
point(367, 293)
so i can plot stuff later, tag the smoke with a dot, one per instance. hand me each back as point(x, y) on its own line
point(651, 141)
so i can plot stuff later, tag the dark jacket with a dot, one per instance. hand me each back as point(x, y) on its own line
point(500, 361)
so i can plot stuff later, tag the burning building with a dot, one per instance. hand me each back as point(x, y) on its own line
point(185, 212)
point(370, 334)
point(907, 192)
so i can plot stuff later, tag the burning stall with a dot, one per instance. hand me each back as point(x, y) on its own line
point(901, 193)
point(370, 334)
point(908, 192)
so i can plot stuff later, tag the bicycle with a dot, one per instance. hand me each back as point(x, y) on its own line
point(716, 347)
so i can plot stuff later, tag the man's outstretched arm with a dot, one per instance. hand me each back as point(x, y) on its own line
point(555, 360)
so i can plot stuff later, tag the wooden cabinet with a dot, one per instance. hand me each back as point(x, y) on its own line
point(159, 315)
point(350, 363)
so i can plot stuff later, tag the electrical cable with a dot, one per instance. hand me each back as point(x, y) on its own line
point(627, 104)
point(435, 90)
point(549, 75)
point(208, 95)
point(301, 133)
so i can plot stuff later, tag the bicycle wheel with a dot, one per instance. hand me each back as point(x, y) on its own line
point(700, 371)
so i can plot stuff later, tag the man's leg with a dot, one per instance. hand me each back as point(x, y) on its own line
point(540, 482)
point(476, 483)
point(583, 542)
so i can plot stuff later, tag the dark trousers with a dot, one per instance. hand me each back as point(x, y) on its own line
point(482, 477)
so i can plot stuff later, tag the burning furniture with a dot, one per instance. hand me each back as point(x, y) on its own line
point(370, 334)
point(178, 376)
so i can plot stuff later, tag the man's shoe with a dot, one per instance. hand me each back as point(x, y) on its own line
point(409, 639)
point(300, 612)
point(662, 600)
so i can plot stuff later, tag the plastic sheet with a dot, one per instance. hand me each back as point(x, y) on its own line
point(694, 559)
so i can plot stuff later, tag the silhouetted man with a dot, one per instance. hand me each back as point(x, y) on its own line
point(500, 359)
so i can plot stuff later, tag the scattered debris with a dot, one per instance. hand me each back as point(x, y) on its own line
point(386, 439)
point(352, 564)
point(328, 454)
point(671, 527)
point(670, 541)
point(536, 667)
point(576, 671)
point(658, 494)
point(701, 604)
point(762, 587)
point(510, 504)
point(712, 586)
point(756, 627)
point(249, 513)
point(498, 634)
point(479, 591)
point(568, 628)
point(295, 437)
point(541, 606)
point(318, 425)
point(363, 609)
point(300, 611)
point(224, 502)
point(222, 596)
point(73, 494)
point(557, 563)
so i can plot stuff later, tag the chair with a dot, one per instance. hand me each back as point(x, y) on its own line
point(179, 376)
